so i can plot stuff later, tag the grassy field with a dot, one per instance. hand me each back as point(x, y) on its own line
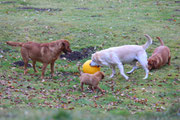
point(89, 23)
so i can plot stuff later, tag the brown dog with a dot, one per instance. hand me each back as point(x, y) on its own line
point(160, 56)
point(46, 53)
point(91, 79)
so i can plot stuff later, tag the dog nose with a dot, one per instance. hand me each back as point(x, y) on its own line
point(91, 64)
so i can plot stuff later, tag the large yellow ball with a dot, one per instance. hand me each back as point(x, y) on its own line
point(90, 69)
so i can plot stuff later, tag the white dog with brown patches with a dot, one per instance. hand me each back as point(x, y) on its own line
point(117, 56)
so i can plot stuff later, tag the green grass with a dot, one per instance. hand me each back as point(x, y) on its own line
point(85, 23)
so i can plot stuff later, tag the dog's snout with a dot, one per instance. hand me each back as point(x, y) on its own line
point(93, 64)
point(90, 64)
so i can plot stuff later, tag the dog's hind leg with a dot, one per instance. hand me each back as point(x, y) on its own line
point(169, 60)
point(134, 68)
point(25, 57)
point(25, 66)
point(113, 71)
point(121, 68)
point(82, 86)
point(90, 87)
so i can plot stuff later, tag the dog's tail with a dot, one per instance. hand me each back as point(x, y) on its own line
point(15, 44)
point(148, 43)
point(162, 43)
point(79, 69)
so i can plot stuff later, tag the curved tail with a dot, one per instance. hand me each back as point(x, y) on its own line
point(79, 69)
point(148, 43)
point(162, 43)
point(15, 44)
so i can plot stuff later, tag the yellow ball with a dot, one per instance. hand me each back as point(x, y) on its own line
point(90, 69)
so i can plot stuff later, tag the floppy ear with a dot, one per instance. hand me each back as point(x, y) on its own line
point(150, 64)
point(155, 63)
point(63, 44)
point(95, 57)
point(102, 75)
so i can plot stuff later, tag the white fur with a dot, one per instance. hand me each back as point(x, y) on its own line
point(117, 56)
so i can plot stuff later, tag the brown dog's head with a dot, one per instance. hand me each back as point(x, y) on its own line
point(100, 74)
point(66, 46)
point(151, 64)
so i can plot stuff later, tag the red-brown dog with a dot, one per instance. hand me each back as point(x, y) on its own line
point(91, 79)
point(160, 56)
point(46, 53)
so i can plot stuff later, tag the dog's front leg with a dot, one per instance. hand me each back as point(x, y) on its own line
point(97, 87)
point(144, 64)
point(113, 71)
point(52, 69)
point(121, 68)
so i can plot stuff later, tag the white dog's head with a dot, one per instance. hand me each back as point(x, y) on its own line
point(95, 60)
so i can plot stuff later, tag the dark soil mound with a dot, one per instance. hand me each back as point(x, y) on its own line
point(20, 63)
point(39, 9)
point(79, 55)
point(7, 2)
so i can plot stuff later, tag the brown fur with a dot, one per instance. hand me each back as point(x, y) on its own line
point(46, 53)
point(160, 56)
point(92, 80)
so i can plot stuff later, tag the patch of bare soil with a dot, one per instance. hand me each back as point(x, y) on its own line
point(79, 55)
point(20, 63)
point(82, 8)
point(7, 2)
point(177, 1)
point(39, 9)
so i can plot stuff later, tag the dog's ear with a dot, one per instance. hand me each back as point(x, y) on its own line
point(102, 74)
point(66, 46)
point(149, 64)
point(154, 63)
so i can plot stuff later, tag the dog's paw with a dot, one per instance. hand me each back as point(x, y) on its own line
point(111, 76)
point(129, 72)
point(126, 77)
point(145, 78)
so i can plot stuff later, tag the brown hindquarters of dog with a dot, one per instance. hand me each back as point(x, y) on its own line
point(160, 56)
point(46, 53)
point(92, 80)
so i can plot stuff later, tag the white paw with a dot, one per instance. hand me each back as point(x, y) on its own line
point(111, 76)
point(145, 77)
point(126, 77)
point(129, 72)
